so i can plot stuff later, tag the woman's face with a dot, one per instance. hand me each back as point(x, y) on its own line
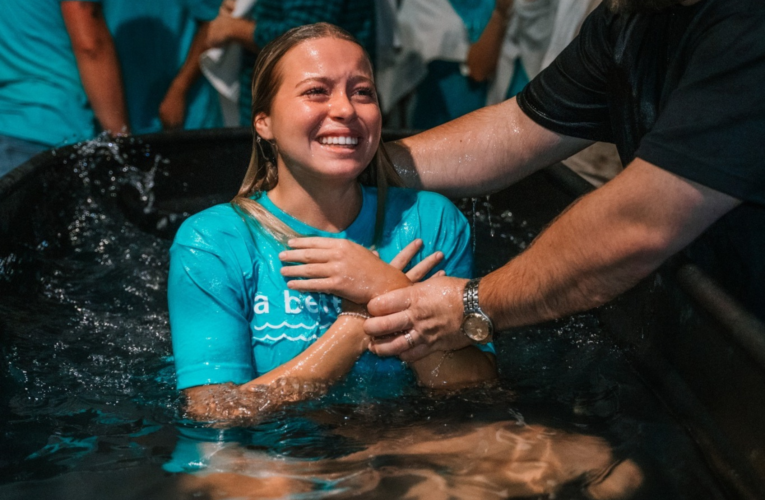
point(324, 118)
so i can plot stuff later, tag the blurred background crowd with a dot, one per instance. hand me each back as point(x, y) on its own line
point(70, 69)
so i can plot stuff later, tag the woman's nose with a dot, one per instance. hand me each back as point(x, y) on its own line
point(341, 107)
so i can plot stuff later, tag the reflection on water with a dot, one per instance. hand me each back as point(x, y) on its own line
point(89, 409)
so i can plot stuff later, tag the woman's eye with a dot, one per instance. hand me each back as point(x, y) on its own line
point(366, 92)
point(315, 91)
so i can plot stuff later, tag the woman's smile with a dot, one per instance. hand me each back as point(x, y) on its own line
point(347, 140)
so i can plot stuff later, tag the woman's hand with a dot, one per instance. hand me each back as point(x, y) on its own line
point(350, 271)
point(422, 268)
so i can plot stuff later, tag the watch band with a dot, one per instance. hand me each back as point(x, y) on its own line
point(470, 296)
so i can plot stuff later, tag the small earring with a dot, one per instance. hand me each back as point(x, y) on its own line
point(260, 146)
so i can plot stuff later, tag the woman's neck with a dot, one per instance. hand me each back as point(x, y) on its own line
point(330, 208)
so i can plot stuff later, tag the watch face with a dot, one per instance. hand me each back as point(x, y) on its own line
point(477, 328)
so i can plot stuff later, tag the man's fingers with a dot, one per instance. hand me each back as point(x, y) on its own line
point(393, 345)
point(386, 325)
point(406, 255)
point(422, 269)
point(416, 353)
point(391, 302)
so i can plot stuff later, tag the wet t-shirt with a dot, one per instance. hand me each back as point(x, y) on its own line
point(232, 316)
point(681, 89)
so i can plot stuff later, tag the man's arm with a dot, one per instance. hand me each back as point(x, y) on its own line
point(172, 109)
point(481, 152)
point(97, 62)
point(600, 247)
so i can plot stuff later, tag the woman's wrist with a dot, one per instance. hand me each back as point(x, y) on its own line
point(363, 316)
point(353, 313)
point(353, 309)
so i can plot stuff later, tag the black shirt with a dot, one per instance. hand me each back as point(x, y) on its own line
point(683, 89)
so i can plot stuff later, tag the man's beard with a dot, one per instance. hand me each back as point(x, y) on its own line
point(639, 6)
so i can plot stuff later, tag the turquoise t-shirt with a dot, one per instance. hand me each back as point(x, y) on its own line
point(232, 316)
point(41, 95)
point(153, 39)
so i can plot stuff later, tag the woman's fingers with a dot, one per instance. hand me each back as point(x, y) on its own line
point(421, 269)
point(310, 271)
point(324, 285)
point(315, 242)
point(305, 256)
point(406, 255)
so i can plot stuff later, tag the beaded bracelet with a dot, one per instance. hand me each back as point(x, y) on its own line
point(354, 314)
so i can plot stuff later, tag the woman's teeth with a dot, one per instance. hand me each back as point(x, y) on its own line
point(339, 140)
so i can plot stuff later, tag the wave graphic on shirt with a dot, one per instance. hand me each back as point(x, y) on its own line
point(283, 336)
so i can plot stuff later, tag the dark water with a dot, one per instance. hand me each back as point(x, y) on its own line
point(89, 408)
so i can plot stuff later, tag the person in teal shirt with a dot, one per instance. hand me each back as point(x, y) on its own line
point(217, 246)
point(59, 77)
point(159, 44)
point(318, 179)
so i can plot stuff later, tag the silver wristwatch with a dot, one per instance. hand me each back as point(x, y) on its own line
point(476, 325)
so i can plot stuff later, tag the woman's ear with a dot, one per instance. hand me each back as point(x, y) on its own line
point(263, 126)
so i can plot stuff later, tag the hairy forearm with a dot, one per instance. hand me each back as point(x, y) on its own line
point(97, 63)
point(480, 153)
point(602, 246)
point(306, 376)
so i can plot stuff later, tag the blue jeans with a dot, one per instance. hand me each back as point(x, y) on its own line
point(14, 152)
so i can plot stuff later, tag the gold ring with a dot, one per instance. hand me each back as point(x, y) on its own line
point(408, 337)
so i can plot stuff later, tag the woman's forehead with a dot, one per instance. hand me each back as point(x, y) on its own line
point(324, 55)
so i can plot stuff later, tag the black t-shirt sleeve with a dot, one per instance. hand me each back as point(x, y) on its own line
point(712, 129)
point(569, 97)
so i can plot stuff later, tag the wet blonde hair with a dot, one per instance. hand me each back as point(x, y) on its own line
point(262, 173)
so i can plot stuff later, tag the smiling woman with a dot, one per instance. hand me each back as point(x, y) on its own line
point(326, 131)
point(245, 341)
